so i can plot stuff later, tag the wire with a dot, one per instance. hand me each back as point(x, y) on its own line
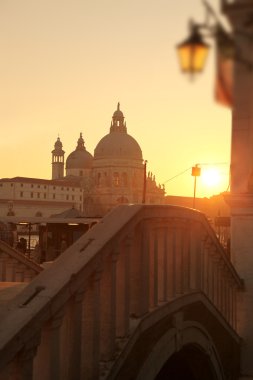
point(177, 175)
point(186, 170)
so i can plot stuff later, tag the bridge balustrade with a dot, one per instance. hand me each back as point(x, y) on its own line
point(68, 322)
point(15, 267)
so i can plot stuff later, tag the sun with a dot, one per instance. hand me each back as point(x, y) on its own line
point(211, 177)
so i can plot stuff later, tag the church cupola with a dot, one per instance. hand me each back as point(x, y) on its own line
point(58, 160)
point(118, 124)
point(80, 143)
point(79, 162)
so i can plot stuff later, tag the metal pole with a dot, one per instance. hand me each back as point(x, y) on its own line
point(195, 173)
point(194, 194)
point(29, 240)
point(144, 182)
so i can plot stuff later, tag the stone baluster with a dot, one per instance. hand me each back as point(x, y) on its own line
point(47, 362)
point(23, 367)
point(231, 306)
point(155, 266)
point(234, 306)
point(215, 276)
point(122, 287)
point(222, 305)
point(91, 327)
point(165, 269)
point(170, 263)
point(195, 254)
point(139, 272)
point(185, 260)
point(178, 261)
point(75, 352)
point(224, 311)
point(10, 269)
point(108, 306)
point(227, 298)
point(28, 275)
point(212, 284)
point(162, 264)
point(20, 272)
point(152, 266)
point(206, 248)
point(202, 261)
point(145, 268)
point(219, 284)
point(2, 267)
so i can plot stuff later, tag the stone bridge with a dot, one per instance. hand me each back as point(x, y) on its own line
point(148, 293)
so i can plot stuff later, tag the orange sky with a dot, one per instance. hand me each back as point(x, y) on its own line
point(65, 65)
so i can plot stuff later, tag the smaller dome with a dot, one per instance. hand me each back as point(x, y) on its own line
point(58, 143)
point(80, 158)
point(58, 146)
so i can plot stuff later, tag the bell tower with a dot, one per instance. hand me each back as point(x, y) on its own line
point(58, 160)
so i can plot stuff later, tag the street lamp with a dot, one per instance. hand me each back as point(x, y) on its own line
point(193, 51)
point(196, 171)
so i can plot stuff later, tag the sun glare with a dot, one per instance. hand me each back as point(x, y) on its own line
point(211, 177)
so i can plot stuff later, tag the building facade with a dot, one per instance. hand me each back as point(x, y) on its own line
point(93, 184)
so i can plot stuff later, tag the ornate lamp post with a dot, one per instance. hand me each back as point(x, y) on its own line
point(192, 52)
point(240, 15)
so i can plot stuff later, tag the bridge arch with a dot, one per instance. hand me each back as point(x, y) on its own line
point(186, 337)
point(189, 363)
point(185, 351)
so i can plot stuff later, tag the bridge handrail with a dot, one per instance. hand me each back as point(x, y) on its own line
point(93, 288)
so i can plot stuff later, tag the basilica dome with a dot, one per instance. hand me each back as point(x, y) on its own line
point(118, 143)
point(80, 158)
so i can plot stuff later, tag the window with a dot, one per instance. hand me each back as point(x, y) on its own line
point(21, 185)
point(80, 173)
point(11, 184)
point(67, 197)
point(116, 179)
point(54, 187)
point(31, 185)
point(38, 195)
point(45, 195)
point(21, 194)
point(53, 196)
point(38, 186)
point(73, 197)
point(31, 194)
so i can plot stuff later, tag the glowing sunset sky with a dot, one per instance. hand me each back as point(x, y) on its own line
point(66, 63)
